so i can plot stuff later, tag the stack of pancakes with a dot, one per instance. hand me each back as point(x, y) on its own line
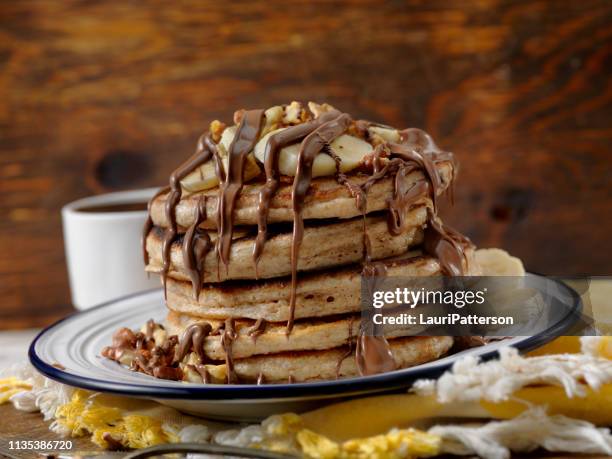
point(262, 274)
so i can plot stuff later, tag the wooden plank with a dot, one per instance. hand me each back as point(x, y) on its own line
point(101, 96)
point(17, 425)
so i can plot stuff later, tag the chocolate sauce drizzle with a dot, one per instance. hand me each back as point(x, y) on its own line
point(446, 244)
point(349, 343)
point(243, 143)
point(200, 370)
point(193, 339)
point(276, 142)
point(205, 150)
point(227, 339)
point(415, 151)
point(312, 145)
point(257, 329)
point(196, 244)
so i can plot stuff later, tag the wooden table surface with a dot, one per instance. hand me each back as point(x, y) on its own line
point(109, 95)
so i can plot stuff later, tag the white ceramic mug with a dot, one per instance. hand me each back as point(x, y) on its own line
point(103, 247)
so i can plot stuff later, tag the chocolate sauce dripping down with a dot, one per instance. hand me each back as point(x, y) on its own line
point(193, 338)
point(243, 143)
point(146, 229)
point(227, 339)
point(257, 329)
point(372, 352)
point(310, 148)
point(404, 196)
point(373, 355)
point(419, 140)
point(417, 150)
point(275, 143)
point(349, 343)
point(196, 244)
point(200, 370)
point(354, 190)
point(205, 150)
point(424, 162)
point(447, 245)
point(376, 158)
point(359, 194)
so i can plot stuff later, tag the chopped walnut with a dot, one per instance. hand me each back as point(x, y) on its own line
point(379, 155)
point(159, 336)
point(382, 134)
point(306, 116)
point(358, 129)
point(293, 113)
point(274, 114)
point(171, 373)
point(376, 139)
point(126, 357)
point(318, 109)
point(216, 129)
point(274, 117)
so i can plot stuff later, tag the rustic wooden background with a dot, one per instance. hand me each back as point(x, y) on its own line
point(100, 96)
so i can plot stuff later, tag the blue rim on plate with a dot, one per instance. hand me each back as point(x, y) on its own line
point(385, 382)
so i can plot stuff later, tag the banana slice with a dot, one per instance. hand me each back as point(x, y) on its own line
point(350, 149)
point(498, 262)
point(201, 178)
point(205, 176)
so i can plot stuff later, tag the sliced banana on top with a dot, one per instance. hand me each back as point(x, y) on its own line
point(205, 177)
point(351, 150)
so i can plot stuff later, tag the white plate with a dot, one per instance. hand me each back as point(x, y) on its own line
point(76, 341)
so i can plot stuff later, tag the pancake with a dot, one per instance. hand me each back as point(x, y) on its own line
point(325, 199)
point(334, 291)
point(335, 244)
point(306, 335)
point(324, 365)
